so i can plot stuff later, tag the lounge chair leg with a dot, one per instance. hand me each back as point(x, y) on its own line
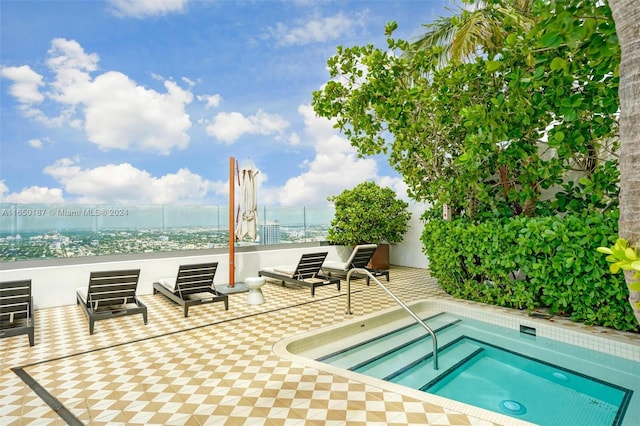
point(226, 304)
point(186, 311)
point(91, 326)
point(144, 317)
point(32, 338)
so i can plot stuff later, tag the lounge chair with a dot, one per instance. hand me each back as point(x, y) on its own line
point(305, 273)
point(111, 294)
point(193, 286)
point(16, 309)
point(360, 258)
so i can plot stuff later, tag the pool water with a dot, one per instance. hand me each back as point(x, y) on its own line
point(505, 370)
point(534, 391)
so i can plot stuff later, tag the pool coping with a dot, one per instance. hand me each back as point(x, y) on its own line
point(588, 337)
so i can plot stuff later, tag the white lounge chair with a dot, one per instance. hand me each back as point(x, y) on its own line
point(305, 273)
point(360, 258)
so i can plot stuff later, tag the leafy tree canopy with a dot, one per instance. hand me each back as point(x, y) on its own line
point(495, 135)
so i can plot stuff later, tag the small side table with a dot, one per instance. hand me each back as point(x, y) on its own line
point(255, 296)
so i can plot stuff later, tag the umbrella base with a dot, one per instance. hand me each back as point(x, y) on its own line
point(237, 288)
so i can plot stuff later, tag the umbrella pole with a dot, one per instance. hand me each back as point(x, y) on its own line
point(232, 239)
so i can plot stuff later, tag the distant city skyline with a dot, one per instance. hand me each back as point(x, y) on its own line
point(129, 102)
point(33, 245)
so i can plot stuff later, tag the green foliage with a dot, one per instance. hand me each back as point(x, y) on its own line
point(597, 192)
point(368, 213)
point(511, 140)
point(623, 257)
point(530, 263)
point(470, 135)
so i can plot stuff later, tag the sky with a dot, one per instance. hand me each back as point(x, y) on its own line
point(138, 102)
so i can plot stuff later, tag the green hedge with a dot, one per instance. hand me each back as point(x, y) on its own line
point(529, 263)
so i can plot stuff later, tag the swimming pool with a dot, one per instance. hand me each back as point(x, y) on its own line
point(589, 378)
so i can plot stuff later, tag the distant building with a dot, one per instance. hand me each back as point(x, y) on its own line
point(270, 233)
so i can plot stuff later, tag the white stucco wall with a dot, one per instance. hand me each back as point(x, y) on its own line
point(409, 252)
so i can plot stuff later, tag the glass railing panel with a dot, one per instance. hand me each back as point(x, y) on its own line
point(36, 231)
point(195, 227)
point(289, 223)
point(209, 217)
point(319, 216)
point(115, 217)
point(30, 218)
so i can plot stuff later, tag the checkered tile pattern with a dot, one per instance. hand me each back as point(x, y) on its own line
point(215, 367)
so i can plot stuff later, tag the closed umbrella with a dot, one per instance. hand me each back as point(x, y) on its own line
point(247, 220)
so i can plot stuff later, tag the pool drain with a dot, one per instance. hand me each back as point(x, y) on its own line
point(510, 406)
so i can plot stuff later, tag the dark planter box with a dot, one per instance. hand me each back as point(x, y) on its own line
point(380, 259)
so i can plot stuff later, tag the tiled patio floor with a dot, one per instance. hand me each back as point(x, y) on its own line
point(215, 367)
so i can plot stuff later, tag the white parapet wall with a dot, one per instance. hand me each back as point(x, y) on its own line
point(54, 282)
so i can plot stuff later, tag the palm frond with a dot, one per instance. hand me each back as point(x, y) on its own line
point(479, 27)
point(438, 33)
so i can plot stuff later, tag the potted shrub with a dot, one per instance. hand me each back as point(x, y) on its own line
point(367, 214)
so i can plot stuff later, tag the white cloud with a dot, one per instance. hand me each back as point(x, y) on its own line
point(189, 82)
point(319, 128)
point(126, 184)
point(144, 8)
point(68, 55)
point(120, 114)
point(294, 139)
point(395, 183)
point(35, 143)
point(212, 101)
point(25, 84)
point(317, 30)
point(335, 167)
point(32, 195)
point(327, 175)
point(229, 126)
point(267, 124)
point(113, 110)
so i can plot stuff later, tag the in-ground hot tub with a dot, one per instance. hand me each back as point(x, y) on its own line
point(492, 363)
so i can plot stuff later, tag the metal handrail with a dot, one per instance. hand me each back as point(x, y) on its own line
point(399, 302)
